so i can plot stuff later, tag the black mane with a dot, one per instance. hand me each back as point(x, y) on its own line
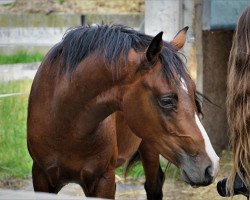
point(112, 42)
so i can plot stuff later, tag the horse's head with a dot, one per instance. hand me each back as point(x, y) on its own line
point(160, 108)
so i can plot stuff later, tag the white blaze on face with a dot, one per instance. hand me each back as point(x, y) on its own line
point(208, 146)
point(209, 149)
point(184, 85)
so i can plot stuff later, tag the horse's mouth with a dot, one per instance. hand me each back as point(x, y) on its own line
point(188, 180)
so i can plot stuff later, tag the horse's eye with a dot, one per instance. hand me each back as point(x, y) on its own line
point(167, 102)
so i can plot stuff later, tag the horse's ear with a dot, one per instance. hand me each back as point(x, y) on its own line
point(154, 49)
point(180, 38)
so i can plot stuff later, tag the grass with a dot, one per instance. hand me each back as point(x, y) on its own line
point(61, 1)
point(171, 172)
point(14, 158)
point(135, 172)
point(21, 57)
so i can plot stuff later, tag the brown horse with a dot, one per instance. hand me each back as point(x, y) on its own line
point(102, 93)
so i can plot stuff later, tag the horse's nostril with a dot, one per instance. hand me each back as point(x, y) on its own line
point(208, 176)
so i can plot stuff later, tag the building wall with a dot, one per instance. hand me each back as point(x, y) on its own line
point(171, 16)
point(216, 49)
point(39, 32)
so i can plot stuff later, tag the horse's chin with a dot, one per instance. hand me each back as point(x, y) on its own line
point(188, 180)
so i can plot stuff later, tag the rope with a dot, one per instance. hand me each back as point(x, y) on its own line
point(12, 94)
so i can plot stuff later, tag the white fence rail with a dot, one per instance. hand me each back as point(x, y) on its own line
point(12, 94)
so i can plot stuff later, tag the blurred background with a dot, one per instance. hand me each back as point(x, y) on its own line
point(29, 28)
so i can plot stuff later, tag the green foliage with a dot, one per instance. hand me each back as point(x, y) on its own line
point(21, 57)
point(7, 4)
point(135, 172)
point(14, 158)
point(170, 171)
point(61, 1)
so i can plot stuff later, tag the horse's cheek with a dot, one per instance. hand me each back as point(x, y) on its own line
point(132, 113)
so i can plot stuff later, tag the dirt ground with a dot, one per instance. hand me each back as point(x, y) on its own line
point(75, 6)
point(173, 189)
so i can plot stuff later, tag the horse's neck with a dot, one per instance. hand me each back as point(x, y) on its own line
point(98, 95)
point(95, 82)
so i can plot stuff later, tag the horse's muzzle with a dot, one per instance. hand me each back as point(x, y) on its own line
point(207, 180)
